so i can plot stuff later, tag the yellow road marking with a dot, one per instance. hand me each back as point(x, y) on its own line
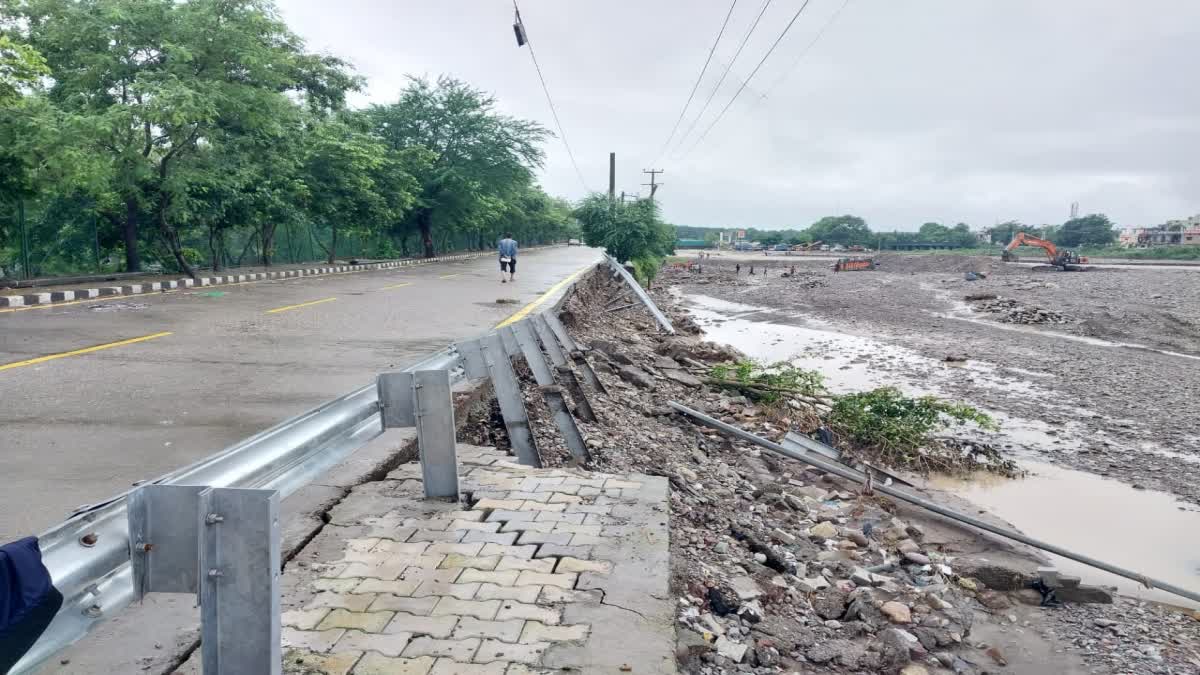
point(524, 311)
point(77, 352)
point(388, 288)
point(303, 304)
point(450, 276)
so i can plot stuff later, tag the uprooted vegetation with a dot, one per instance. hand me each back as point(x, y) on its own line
point(882, 426)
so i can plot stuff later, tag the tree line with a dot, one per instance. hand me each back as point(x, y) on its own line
point(204, 133)
point(1094, 230)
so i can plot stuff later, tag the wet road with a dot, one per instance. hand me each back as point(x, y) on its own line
point(99, 395)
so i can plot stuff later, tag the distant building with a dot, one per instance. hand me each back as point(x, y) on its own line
point(1183, 231)
point(1130, 237)
point(1184, 223)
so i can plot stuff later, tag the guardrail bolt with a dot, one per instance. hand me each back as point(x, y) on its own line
point(214, 573)
point(93, 611)
point(89, 540)
point(214, 518)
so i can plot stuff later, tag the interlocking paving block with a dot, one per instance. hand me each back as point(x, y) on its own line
point(551, 570)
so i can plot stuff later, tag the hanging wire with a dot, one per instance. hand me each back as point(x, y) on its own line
point(553, 111)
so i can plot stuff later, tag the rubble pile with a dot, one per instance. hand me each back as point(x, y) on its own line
point(777, 566)
point(1011, 311)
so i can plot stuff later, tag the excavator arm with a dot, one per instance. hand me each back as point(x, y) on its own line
point(1023, 239)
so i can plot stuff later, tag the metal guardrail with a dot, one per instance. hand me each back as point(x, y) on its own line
point(640, 292)
point(89, 556)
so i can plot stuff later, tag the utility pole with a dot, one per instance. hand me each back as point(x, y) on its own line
point(612, 176)
point(653, 185)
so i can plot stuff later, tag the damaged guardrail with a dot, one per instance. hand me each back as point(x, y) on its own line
point(620, 270)
point(845, 472)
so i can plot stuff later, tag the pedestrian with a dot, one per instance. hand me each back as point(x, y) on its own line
point(738, 267)
point(508, 257)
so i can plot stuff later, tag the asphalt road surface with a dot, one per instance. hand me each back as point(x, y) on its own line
point(96, 396)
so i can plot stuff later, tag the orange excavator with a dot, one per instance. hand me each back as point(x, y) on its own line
point(1068, 261)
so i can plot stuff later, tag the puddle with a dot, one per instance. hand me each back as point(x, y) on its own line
point(1142, 530)
point(1146, 531)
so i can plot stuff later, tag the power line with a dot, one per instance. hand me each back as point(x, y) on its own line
point(717, 87)
point(721, 114)
point(553, 111)
point(699, 77)
point(787, 73)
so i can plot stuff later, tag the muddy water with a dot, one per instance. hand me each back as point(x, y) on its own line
point(1142, 530)
point(1146, 531)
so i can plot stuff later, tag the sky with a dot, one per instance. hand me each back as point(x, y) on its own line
point(975, 111)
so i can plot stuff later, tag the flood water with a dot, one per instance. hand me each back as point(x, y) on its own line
point(1146, 531)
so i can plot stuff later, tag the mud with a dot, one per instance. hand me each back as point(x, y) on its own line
point(1107, 391)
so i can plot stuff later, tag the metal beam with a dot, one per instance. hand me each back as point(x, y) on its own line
point(551, 392)
point(583, 407)
point(640, 292)
point(576, 352)
point(512, 406)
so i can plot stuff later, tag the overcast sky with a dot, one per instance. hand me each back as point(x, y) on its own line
point(903, 112)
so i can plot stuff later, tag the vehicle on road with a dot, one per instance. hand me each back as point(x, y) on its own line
point(781, 247)
point(1067, 261)
point(574, 242)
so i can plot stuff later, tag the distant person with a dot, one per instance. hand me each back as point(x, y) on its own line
point(508, 257)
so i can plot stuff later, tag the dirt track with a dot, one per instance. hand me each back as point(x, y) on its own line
point(1109, 367)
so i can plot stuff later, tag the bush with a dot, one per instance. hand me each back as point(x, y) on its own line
point(899, 430)
point(645, 269)
point(768, 383)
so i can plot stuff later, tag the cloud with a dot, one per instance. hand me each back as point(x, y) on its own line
point(902, 112)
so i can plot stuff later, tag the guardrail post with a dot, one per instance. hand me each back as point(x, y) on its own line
point(239, 586)
point(434, 411)
point(222, 544)
point(422, 399)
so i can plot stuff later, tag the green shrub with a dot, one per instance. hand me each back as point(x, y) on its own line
point(768, 383)
point(900, 431)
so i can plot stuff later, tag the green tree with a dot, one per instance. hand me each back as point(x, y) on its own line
point(21, 66)
point(846, 230)
point(163, 78)
point(625, 231)
point(1091, 230)
point(480, 158)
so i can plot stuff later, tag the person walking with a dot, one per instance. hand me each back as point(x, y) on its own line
point(508, 257)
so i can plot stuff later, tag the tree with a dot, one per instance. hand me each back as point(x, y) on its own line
point(626, 231)
point(20, 66)
point(934, 233)
point(164, 78)
point(480, 158)
point(846, 230)
point(1091, 230)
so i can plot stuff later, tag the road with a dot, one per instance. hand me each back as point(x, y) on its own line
point(97, 396)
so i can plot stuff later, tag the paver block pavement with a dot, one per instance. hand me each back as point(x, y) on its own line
point(553, 570)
